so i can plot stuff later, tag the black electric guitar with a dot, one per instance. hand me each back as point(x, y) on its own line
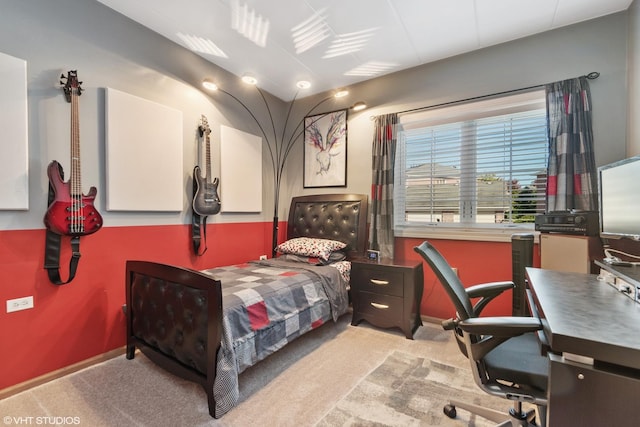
point(71, 213)
point(205, 199)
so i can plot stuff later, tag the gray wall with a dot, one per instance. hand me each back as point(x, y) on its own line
point(111, 51)
point(597, 45)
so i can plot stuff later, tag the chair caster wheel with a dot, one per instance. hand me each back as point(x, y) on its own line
point(449, 411)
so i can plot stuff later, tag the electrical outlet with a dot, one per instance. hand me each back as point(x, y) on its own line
point(19, 304)
point(263, 257)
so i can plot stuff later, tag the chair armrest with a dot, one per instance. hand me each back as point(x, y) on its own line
point(500, 326)
point(493, 331)
point(487, 292)
point(487, 289)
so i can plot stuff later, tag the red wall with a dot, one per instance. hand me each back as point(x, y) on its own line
point(477, 262)
point(84, 318)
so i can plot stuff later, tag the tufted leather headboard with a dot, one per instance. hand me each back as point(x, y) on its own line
point(340, 217)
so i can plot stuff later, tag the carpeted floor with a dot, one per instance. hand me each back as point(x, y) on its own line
point(407, 390)
point(335, 375)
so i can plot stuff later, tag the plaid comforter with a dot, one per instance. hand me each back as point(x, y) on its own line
point(267, 304)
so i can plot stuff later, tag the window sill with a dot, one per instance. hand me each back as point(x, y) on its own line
point(488, 234)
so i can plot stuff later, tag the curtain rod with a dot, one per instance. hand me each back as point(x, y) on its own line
point(591, 76)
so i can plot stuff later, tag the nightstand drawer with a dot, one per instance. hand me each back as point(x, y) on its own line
point(379, 280)
point(381, 307)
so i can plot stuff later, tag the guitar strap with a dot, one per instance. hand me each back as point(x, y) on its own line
point(198, 222)
point(52, 248)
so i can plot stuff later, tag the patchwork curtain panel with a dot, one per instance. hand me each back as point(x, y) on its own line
point(572, 179)
point(381, 237)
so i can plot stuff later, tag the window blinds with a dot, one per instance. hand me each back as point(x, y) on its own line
point(476, 163)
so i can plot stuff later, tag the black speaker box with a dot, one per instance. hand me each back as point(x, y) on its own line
point(521, 258)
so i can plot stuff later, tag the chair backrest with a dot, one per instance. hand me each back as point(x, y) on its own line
point(448, 278)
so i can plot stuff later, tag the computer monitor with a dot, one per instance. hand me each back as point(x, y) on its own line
point(619, 199)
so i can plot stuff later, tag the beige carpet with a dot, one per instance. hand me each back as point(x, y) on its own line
point(408, 390)
point(298, 386)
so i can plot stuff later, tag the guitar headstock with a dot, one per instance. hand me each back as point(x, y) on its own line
point(70, 83)
point(203, 128)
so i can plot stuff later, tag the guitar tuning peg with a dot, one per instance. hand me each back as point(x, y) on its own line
point(62, 76)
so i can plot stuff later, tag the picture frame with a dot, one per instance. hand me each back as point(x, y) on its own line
point(373, 255)
point(325, 150)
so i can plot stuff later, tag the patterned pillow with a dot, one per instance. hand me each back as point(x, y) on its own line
point(307, 246)
point(334, 257)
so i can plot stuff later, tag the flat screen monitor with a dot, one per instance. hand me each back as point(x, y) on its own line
point(619, 188)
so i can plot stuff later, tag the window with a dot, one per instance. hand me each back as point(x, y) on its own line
point(480, 164)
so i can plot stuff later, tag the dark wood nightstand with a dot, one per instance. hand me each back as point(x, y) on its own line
point(387, 293)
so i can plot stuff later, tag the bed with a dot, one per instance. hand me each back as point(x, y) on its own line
point(209, 326)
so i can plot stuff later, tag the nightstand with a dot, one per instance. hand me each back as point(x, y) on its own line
point(387, 293)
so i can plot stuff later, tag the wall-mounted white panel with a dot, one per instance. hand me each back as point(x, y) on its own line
point(14, 144)
point(143, 154)
point(240, 171)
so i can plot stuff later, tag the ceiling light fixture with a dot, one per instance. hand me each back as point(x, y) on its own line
point(250, 80)
point(303, 84)
point(209, 84)
point(340, 93)
point(358, 106)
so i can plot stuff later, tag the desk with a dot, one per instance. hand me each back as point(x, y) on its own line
point(631, 274)
point(593, 333)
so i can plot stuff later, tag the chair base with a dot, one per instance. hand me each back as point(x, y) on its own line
point(516, 417)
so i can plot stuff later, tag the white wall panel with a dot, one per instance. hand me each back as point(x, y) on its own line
point(240, 171)
point(143, 154)
point(14, 151)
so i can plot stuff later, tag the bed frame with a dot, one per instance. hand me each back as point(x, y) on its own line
point(174, 314)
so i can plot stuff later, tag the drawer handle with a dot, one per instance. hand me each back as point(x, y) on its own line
point(379, 282)
point(381, 306)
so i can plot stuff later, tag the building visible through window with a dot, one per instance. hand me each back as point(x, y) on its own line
point(473, 164)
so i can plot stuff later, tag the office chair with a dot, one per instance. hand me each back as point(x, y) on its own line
point(504, 352)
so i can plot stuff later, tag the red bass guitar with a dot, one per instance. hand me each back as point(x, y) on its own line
point(71, 213)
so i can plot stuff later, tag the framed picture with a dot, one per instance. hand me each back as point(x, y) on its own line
point(373, 255)
point(325, 150)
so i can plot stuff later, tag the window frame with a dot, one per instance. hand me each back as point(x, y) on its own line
point(459, 112)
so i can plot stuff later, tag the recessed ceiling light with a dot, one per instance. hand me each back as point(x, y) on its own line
point(340, 93)
point(250, 80)
point(303, 84)
point(209, 84)
point(359, 106)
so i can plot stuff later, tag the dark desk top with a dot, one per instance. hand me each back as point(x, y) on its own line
point(585, 316)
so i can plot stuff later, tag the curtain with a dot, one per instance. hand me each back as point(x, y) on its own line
point(571, 176)
point(381, 236)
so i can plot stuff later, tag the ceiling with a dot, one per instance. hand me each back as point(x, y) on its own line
point(335, 43)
